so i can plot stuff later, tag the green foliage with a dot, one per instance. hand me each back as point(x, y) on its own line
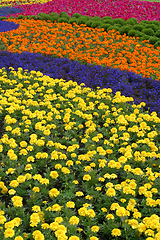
point(96, 18)
point(64, 15)
point(107, 21)
point(89, 23)
point(54, 17)
point(95, 24)
point(107, 17)
point(157, 44)
point(77, 15)
point(65, 20)
point(148, 31)
point(125, 29)
point(131, 21)
point(152, 26)
point(1, 18)
point(138, 27)
point(132, 33)
point(44, 16)
point(153, 40)
point(119, 21)
point(138, 34)
point(157, 34)
point(21, 17)
point(83, 20)
point(157, 23)
point(105, 26)
point(73, 19)
point(116, 28)
point(145, 37)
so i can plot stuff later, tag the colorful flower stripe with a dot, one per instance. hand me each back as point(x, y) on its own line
point(75, 164)
point(84, 44)
point(120, 8)
point(4, 3)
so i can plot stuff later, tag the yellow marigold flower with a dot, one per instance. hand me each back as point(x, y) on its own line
point(30, 159)
point(110, 216)
point(9, 224)
point(74, 220)
point(19, 238)
point(111, 192)
point(82, 211)
point(74, 238)
point(54, 226)
point(65, 170)
point(56, 207)
point(36, 189)
point(17, 201)
point(53, 192)
point(133, 223)
point(10, 170)
point(45, 226)
point(86, 177)
point(9, 233)
point(2, 219)
point(58, 219)
point(79, 194)
point(28, 167)
point(11, 192)
point(116, 232)
point(114, 206)
point(34, 220)
point(69, 163)
point(121, 212)
point(21, 179)
point(70, 204)
point(95, 228)
point(93, 238)
point(17, 221)
point(37, 235)
point(104, 209)
point(36, 208)
point(91, 213)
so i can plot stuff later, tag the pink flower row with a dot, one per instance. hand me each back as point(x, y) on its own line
point(142, 10)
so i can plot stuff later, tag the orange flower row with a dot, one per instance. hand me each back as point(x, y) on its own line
point(84, 44)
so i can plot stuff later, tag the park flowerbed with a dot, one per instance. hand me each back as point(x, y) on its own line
point(78, 159)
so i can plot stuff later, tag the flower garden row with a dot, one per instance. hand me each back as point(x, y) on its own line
point(77, 164)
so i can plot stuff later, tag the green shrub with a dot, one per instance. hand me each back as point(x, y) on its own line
point(125, 29)
point(64, 15)
point(148, 31)
point(95, 24)
point(87, 17)
point(107, 21)
point(89, 23)
point(82, 20)
point(145, 37)
point(157, 34)
point(54, 17)
point(137, 27)
point(157, 23)
point(96, 18)
point(21, 17)
point(152, 26)
point(157, 44)
point(143, 22)
point(72, 20)
point(107, 17)
point(105, 26)
point(119, 21)
point(153, 40)
point(138, 34)
point(65, 20)
point(77, 15)
point(113, 27)
point(132, 33)
point(131, 21)
point(1, 18)
point(44, 16)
